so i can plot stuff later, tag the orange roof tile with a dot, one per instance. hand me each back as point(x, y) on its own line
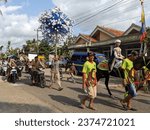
point(113, 31)
point(89, 38)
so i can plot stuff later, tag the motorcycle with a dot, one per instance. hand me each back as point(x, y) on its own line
point(28, 67)
point(13, 75)
point(4, 69)
point(40, 78)
point(19, 70)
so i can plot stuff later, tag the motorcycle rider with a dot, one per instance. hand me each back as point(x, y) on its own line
point(0, 65)
point(11, 64)
point(3, 65)
point(36, 65)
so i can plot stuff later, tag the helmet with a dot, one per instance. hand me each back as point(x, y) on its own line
point(118, 41)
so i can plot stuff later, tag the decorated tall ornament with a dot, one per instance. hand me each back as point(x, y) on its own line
point(55, 26)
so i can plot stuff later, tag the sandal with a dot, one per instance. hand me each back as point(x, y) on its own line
point(82, 106)
point(132, 109)
point(123, 105)
point(92, 108)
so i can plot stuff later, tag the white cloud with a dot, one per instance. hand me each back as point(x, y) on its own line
point(9, 9)
point(16, 28)
point(119, 16)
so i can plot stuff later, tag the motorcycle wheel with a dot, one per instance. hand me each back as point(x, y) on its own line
point(13, 78)
point(42, 82)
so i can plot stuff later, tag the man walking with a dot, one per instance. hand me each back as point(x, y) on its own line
point(55, 74)
point(129, 78)
point(89, 81)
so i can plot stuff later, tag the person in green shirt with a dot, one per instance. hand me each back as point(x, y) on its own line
point(129, 77)
point(89, 81)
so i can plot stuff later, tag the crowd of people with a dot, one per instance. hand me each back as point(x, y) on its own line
point(89, 70)
point(117, 60)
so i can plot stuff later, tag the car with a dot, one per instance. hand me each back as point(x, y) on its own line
point(79, 58)
point(62, 62)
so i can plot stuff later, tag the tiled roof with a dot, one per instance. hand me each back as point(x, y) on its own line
point(89, 38)
point(113, 31)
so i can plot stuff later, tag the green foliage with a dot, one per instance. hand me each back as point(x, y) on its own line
point(45, 48)
point(31, 46)
point(1, 48)
point(65, 51)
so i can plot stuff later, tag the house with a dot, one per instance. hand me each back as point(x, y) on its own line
point(102, 40)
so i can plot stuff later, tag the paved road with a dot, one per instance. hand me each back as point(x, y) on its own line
point(22, 97)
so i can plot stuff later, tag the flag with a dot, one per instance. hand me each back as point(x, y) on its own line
point(143, 27)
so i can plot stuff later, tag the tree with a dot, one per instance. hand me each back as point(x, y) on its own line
point(31, 47)
point(45, 48)
point(0, 10)
point(69, 41)
point(8, 47)
point(1, 48)
point(14, 51)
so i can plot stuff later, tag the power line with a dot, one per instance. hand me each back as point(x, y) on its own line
point(118, 13)
point(96, 8)
point(99, 9)
point(148, 14)
point(98, 13)
point(127, 9)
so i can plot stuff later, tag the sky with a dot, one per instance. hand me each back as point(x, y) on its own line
point(20, 17)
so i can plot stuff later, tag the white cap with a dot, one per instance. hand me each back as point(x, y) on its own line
point(118, 41)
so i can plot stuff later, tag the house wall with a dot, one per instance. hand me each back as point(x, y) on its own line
point(97, 36)
point(104, 37)
point(133, 43)
point(126, 49)
point(81, 41)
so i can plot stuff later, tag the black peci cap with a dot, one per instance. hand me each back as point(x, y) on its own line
point(91, 53)
point(134, 53)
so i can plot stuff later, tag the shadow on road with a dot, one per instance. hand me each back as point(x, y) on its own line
point(143, 101)
point(103, 95)
point(109, 103)
point(80, 90)
point(117, 91)
point(65, 100)
point(22, 108)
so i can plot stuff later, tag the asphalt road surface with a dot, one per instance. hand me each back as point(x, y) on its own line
point(21, 97)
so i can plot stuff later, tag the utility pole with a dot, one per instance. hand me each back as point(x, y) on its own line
point(88, 44)
point(37, 33)
point(37, 38)
point(56, 43)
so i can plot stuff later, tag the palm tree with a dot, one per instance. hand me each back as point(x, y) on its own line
point(4, 0)
point(8, 46)
point(0, 10)
point(1, 48)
